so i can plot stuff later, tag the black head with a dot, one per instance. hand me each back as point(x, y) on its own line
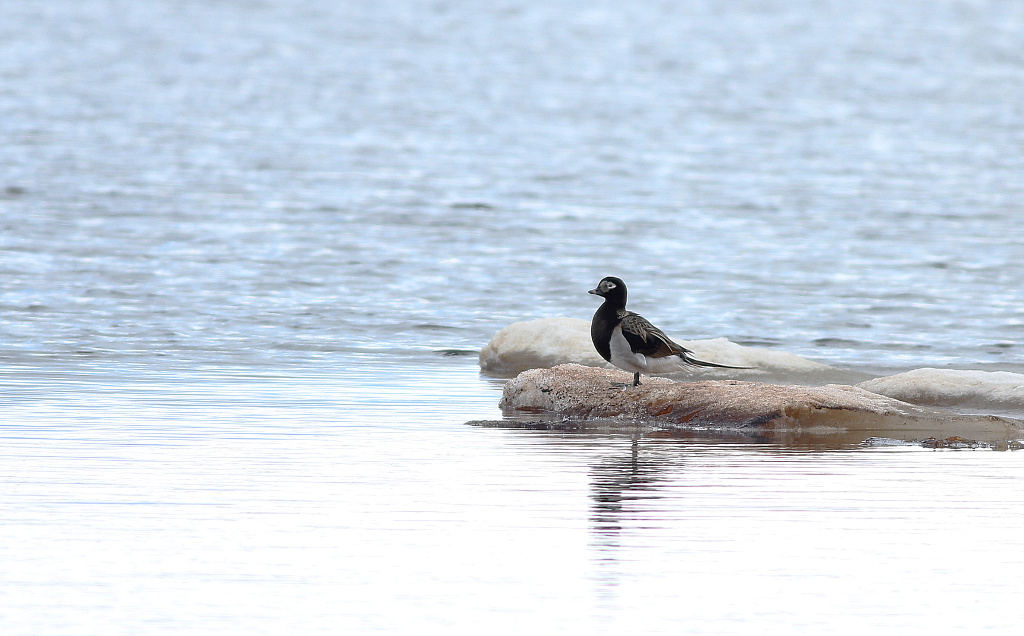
point(611, 288)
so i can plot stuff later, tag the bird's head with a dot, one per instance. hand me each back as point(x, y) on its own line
point(610, 287)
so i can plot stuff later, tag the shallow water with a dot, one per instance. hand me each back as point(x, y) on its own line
point(248, 253)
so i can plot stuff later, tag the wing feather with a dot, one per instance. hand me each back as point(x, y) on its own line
point(645, 338)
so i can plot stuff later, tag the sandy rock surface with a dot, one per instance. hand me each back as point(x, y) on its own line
point(578, 391)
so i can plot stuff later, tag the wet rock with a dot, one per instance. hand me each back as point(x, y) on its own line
point(577, 391)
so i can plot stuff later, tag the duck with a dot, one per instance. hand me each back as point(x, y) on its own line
point(630, 342)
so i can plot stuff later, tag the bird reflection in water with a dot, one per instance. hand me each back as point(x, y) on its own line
point(619, 484)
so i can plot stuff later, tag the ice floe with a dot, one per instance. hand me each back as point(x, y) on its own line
point(548, 342)
point(538, 344)
point(988, 391)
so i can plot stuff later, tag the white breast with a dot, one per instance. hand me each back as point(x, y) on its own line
point(624, 357)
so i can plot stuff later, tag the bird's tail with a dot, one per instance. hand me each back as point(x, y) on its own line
point(685, 355)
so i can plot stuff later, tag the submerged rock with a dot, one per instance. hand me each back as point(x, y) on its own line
point(577, 391)
point(548, 342)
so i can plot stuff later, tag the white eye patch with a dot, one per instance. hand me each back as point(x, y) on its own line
point(607, 285)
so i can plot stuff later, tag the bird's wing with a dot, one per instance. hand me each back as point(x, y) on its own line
point(645, 338)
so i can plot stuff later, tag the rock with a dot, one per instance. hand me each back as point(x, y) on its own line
point(576, 391)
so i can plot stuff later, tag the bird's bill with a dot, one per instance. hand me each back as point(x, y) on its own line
point(595, 292)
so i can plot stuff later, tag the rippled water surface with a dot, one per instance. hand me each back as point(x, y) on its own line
point(249, 250)
point(233, 180)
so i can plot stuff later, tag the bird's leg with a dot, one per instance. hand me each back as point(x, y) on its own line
point(626, 385)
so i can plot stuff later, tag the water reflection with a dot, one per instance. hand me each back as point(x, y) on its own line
point(675, 501)
point(615, 482)
point(618, 482)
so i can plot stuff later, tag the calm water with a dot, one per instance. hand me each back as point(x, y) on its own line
point(248, 252)
point(358, 501)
